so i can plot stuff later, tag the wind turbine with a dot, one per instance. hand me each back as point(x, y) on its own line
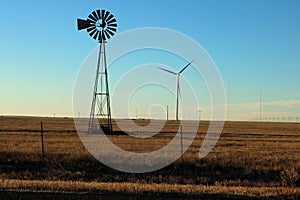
point(177, 83)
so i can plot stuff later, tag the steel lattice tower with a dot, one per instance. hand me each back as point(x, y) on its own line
point(100, 109)
point(101, 25)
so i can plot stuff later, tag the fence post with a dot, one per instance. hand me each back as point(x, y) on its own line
point(42, 135)
point(181, 143)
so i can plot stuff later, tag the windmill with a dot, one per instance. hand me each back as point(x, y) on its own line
point(177, 83)
point(101, 25)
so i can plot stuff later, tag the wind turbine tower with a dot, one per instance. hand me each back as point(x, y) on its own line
point(177, 84)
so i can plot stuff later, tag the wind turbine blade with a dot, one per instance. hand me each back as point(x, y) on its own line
point(167, 70)
point(186, 66)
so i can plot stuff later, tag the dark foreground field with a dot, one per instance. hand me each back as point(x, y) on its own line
point(126, 196)
point(251, 160)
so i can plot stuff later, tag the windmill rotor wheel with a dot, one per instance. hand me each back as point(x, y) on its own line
point(100, 24)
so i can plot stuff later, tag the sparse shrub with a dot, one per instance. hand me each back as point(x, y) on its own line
point(289, 177)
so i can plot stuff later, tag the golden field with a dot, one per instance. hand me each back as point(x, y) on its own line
point(251, 159)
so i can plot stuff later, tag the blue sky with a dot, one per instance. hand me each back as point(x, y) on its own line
point(255, 44)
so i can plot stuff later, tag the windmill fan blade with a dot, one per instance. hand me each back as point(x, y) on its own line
point(106, 34)
point(92, 18)
point(83, 24)
point(167, 70)
point(110, 32)
point(114, 25)
point(99, 14)
point(96, 35)
point(90, 29)
point(186, 66)
point(111, 21)
point(102, 14)
point(94, 13)
point(109, 17)
point(106, 15)
point(112, 29)
point(92, 32)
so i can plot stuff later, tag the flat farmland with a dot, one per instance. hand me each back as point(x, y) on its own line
point(249, 159)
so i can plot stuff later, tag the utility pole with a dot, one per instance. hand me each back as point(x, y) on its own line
point(200, 111)
point(181, 143)
point(42, 137)
point(136, 114)
point(167, 112)
point(228, 101)
point(260, 93)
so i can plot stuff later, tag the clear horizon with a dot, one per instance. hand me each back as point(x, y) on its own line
point(255, 45)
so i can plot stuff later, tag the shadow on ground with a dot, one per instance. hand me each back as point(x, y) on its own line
point(118, 196)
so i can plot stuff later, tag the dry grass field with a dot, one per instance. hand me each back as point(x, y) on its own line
point(251, 159)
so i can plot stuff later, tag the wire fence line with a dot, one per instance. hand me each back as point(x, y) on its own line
point(40, 139)
point(23, 135)
point(33, 144)
point(44, 138)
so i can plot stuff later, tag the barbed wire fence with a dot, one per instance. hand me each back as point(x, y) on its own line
point(42, 138)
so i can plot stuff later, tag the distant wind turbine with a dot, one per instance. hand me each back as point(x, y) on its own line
point(177, 83)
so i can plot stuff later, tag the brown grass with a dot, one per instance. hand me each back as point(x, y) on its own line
point(248, 154)
point(137, 188)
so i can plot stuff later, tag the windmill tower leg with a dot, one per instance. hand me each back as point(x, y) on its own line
point(100, 115)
